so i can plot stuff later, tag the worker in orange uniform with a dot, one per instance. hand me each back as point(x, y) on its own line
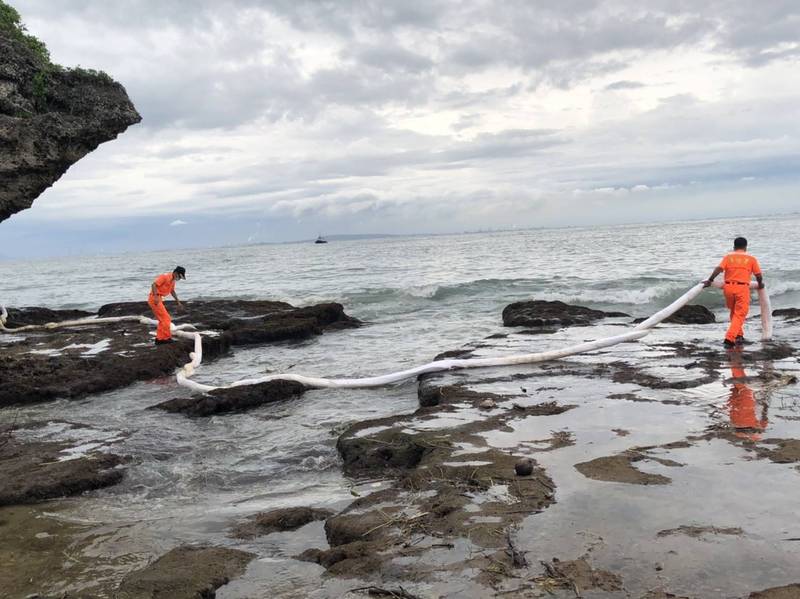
point(742, 405)
point(738, 267)
point(162, 286)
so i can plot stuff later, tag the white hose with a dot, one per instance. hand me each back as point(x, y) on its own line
point(70, 323)
point(638, 332)
point(185, 372)
point(81, 321)
point(766, 314)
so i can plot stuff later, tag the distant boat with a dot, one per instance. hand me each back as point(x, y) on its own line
point(321, 240)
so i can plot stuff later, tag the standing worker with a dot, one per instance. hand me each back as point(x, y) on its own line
point(738, 267)
point(162, 286)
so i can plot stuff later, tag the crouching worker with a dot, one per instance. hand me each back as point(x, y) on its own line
point(738, 267)
point(164, 285)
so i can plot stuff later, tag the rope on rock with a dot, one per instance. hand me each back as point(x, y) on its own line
point(185, 373)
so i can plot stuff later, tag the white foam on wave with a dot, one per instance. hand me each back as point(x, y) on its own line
point(79, 451)
point(422, 291)
point(318, 463)
point(779, 287)
point(638, 297)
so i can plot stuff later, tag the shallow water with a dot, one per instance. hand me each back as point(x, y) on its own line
point(191, 478)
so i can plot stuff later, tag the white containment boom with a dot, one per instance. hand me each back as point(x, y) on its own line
point(185, 373)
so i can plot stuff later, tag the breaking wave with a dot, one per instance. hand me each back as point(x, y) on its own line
point(634, 292)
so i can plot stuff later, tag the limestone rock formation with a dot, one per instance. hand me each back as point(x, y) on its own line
point(280, 520)
point(186, 572)
point(76, 361)
point(50, 117)
point(694, 314)
point(541, 313)
point(35, 471)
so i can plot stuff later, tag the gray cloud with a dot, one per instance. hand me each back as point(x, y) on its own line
point(208, 75)
point(181, 151)
point(625, 85)
point(393, 57)
point(269, 178)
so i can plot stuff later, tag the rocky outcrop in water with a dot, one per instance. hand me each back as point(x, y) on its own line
point(440, 494)
point(790, 591)
point(185, 573)
point(36, 471)
point(693, 314)
point(76, 361)
point(50, 117)
point(280, 520)
point(37, 316)
point(245, 322)
point(235, 399)
point(541, 313)
point(788, 313)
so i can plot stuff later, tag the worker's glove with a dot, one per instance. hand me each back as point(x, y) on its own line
point(706, 283)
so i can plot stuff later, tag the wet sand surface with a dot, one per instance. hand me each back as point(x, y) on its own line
point(662, 468)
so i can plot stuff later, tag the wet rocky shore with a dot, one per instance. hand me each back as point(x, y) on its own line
point(663, 468)
point(74, 362)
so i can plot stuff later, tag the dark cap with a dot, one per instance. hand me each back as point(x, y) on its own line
point(181, 271)
point(739, 243)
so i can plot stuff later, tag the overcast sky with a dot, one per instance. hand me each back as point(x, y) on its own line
point(275, 120)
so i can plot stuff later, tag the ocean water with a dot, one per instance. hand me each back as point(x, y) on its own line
point(452, 277)
point(190, 478)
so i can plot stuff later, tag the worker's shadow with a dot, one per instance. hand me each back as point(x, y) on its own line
point(743, 405)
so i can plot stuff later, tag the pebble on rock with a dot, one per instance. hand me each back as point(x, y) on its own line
point(487, 404)
point(524, 467)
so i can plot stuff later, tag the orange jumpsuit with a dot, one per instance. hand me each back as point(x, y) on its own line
point(738, 266)
point(165, 284)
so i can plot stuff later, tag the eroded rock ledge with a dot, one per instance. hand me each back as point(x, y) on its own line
point(36, 471)
point(279, 520)
point(235, 399)
point(440, 493)
point(73, 362)
point(186, 572)
point(541, 313)
point(50, 118)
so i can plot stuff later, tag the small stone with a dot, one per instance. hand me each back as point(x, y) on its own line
point(487, 404)
point(524, 467)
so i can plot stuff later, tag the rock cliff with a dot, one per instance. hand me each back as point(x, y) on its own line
point(50, 117)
